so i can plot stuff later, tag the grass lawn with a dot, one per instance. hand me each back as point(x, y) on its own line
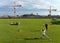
point(29, 28)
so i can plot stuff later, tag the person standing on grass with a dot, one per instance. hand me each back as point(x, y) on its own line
point(46, 26)
point(43, 34)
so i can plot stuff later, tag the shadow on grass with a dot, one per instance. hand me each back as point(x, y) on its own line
point(56, 23)
point(31, 38)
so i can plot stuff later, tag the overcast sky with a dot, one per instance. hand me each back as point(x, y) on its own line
point(30, 4)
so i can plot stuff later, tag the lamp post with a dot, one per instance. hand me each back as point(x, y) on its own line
point(50, 10)
point(15, 8)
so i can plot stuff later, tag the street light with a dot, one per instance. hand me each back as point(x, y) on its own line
point(50, 10)
point(15, 8)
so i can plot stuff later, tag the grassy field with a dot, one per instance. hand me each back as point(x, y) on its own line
point(29, 28)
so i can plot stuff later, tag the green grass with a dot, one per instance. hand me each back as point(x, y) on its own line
point(30, 28)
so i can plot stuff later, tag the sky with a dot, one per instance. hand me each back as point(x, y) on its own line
point(36, 5)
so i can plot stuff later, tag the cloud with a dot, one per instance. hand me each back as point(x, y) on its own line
point(3, 3)
point(31, 4)
point(37, 4)
point(10, 3)
point(20, 3)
